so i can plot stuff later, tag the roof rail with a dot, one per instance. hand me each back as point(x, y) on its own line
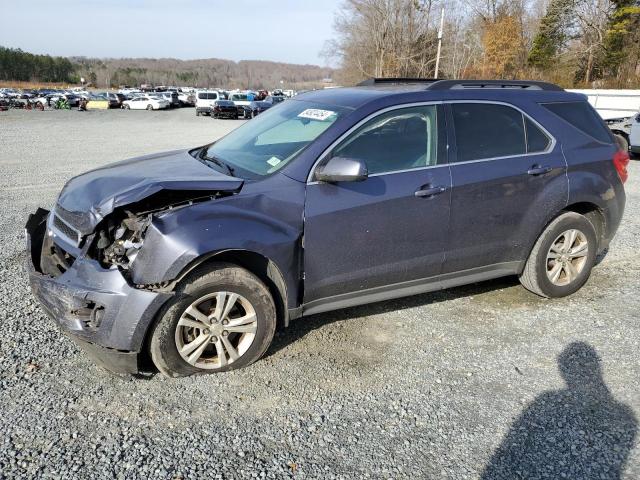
point(394, 80)
point(506, 84)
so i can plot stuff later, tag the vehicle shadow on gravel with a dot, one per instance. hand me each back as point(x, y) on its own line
point(301, 327)
point(577, 432)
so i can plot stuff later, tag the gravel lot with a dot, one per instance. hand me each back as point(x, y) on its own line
point(458, 384)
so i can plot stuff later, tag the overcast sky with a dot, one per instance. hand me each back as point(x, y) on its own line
point(292, 31)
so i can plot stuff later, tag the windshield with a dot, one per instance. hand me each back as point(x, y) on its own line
point(274, 138)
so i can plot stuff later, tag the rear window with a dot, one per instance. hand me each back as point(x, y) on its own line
point(583, 117)
point(207, 96)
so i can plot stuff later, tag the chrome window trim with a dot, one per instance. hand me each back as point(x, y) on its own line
point(327, 150)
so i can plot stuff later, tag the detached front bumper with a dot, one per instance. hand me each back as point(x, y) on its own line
point(96, 307)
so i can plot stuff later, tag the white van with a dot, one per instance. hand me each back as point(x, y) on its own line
point(205, 100)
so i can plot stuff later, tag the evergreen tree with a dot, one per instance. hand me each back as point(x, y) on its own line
point(552, 34)
point(622, 40)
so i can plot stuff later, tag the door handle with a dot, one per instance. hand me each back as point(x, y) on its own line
point(538, 170)
point(430, 191)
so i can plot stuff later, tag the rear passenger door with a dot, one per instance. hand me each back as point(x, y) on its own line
point(508, 176)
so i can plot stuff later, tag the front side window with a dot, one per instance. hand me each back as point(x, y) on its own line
point(272, 139)
point(401, 139)
point(485, 130)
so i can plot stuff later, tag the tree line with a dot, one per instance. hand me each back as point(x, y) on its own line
point(16, 65)
point(23, 66)
point(594, 43)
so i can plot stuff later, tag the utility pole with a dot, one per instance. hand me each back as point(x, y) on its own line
point(439, 42)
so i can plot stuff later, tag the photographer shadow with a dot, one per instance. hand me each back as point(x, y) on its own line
point(579, 432)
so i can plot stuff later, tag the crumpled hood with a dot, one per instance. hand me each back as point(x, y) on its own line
point(86, 199)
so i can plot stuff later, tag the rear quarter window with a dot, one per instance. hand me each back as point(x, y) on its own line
point(583, 117)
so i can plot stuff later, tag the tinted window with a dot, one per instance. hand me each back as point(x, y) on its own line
point(582, 116)
point(486, 130)
point(537, 140)
point(397, 140)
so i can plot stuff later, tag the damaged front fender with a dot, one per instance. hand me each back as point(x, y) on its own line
point(268, 224)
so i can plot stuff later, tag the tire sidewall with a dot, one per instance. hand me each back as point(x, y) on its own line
point(226, 280)
point(560, 225)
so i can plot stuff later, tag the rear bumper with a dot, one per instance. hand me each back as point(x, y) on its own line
point(94, 306)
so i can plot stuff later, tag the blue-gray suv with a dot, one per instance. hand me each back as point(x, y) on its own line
point(340, 197)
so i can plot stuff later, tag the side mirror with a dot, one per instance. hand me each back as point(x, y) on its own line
point(342, 169)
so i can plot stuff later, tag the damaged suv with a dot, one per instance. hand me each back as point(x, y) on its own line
point(192, 259)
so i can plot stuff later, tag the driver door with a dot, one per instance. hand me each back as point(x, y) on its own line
point(391, 228)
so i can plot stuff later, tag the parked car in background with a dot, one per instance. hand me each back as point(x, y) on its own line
point(333, 199)
point(115, 99)
point(170, 96)
point(187, 99)
point(71, 100)
point(634, 136)
point(273, 99)
point(205, 99)
point(224, 109)
point(147, 102)
point(239, 99)
point(255, 108)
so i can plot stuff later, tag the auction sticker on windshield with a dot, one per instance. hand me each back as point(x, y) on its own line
point(316, 114)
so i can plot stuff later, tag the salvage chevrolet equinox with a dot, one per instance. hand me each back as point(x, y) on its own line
point(192, 259)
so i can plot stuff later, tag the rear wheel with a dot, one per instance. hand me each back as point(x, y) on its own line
point(622, 141)
point(222, 318)
point(149, 107)
point(127, 107)
point(562, 258)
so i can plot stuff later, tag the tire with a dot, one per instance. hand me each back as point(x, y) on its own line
point(571, 275)
point(127, 107)
point(149, 107)
point(197, 113)
point(201, 290)
point(622, 141)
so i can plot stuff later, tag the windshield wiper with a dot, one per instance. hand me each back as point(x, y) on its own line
point(218, 162)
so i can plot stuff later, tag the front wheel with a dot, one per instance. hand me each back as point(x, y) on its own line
point(222, 318)
point(562, 258)
point(149, 107)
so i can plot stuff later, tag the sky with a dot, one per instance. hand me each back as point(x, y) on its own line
point(292, 31)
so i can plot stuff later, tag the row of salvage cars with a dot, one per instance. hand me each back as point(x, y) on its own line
point(233, 105)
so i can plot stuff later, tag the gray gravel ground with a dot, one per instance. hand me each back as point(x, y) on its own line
point(458, 384)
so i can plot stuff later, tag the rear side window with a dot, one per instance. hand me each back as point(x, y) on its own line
point(485, 130)
point(537, 140)
point(582, 117)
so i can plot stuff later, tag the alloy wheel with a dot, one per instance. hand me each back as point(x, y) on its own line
point(216, 330)
point(567, 257)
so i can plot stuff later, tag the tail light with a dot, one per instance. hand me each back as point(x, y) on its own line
point(620, 161)
point(216, 108)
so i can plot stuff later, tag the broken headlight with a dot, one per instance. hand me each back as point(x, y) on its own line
point(119, 244)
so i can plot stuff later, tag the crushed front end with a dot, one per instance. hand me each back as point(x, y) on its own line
point(88, 295)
